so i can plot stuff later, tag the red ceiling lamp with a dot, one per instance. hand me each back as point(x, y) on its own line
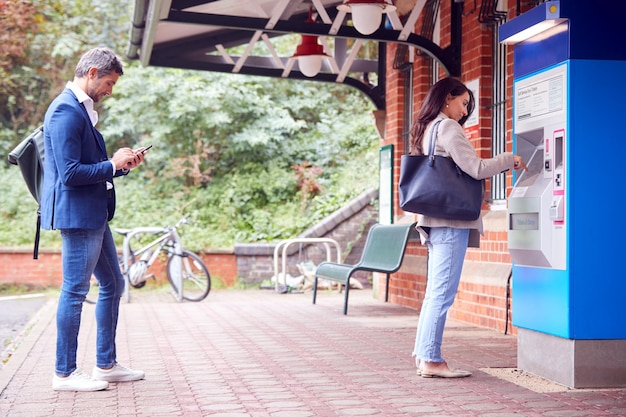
point(310, 54)
point(367, 15)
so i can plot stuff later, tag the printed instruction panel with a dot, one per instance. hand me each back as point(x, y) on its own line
point(539, 96)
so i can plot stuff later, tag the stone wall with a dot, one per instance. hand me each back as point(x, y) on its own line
point(348, 226)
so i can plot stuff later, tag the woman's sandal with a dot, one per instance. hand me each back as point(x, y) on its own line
point(446, 373)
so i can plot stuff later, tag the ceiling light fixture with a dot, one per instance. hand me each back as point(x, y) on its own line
point(532, 23)
point(310, 54)
point(367, 15)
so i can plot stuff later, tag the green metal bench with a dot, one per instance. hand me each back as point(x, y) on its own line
point(383, 252)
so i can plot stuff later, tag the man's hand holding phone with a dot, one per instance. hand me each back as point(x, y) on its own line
point(139, 156)
point(133, 159)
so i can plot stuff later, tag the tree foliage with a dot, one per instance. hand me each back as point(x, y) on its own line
point(41, 41)
point(252, 158)
point(255, 158)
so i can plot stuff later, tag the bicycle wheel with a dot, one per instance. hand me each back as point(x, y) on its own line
point(134, 272)
point(189, 269)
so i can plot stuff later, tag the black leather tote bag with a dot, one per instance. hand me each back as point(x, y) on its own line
point(435, 186)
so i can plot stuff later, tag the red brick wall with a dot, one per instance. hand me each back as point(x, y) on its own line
point(17, 266)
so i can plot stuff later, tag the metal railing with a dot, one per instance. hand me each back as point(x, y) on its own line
point(286, 243)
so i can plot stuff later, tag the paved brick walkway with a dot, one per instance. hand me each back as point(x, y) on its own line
point(256, 353)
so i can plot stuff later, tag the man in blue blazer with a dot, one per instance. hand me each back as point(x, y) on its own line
point(79, 200)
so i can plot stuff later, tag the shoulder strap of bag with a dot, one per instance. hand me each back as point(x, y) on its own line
point(433, 139)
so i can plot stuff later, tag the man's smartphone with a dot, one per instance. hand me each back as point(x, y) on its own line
point(145, 149)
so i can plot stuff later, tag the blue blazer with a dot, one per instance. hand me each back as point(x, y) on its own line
point(76, 169)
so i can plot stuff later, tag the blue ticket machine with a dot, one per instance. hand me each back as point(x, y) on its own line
point(566, 222)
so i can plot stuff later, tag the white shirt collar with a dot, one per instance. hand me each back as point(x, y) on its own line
point(85, 100)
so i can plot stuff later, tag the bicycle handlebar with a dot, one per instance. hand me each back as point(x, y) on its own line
point(152, 229)
point(183, 220)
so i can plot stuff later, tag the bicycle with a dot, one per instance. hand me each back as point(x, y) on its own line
point(186, 272)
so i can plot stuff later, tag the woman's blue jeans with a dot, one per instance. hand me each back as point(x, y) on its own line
point(86, 252)
point(446, 253)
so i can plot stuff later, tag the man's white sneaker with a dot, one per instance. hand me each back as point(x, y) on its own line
point(77, 381)
point(118, 373)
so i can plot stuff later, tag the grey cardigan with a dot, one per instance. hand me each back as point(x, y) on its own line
point(452, 143)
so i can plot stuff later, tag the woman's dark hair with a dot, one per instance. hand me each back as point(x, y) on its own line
point(434, 102)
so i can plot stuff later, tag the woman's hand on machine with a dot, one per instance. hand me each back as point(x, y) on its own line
point(518, 163)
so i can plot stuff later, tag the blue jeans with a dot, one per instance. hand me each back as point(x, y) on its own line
point(446, 253)
point(86, 252)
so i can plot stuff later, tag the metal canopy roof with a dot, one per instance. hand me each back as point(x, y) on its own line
point(196, 34)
